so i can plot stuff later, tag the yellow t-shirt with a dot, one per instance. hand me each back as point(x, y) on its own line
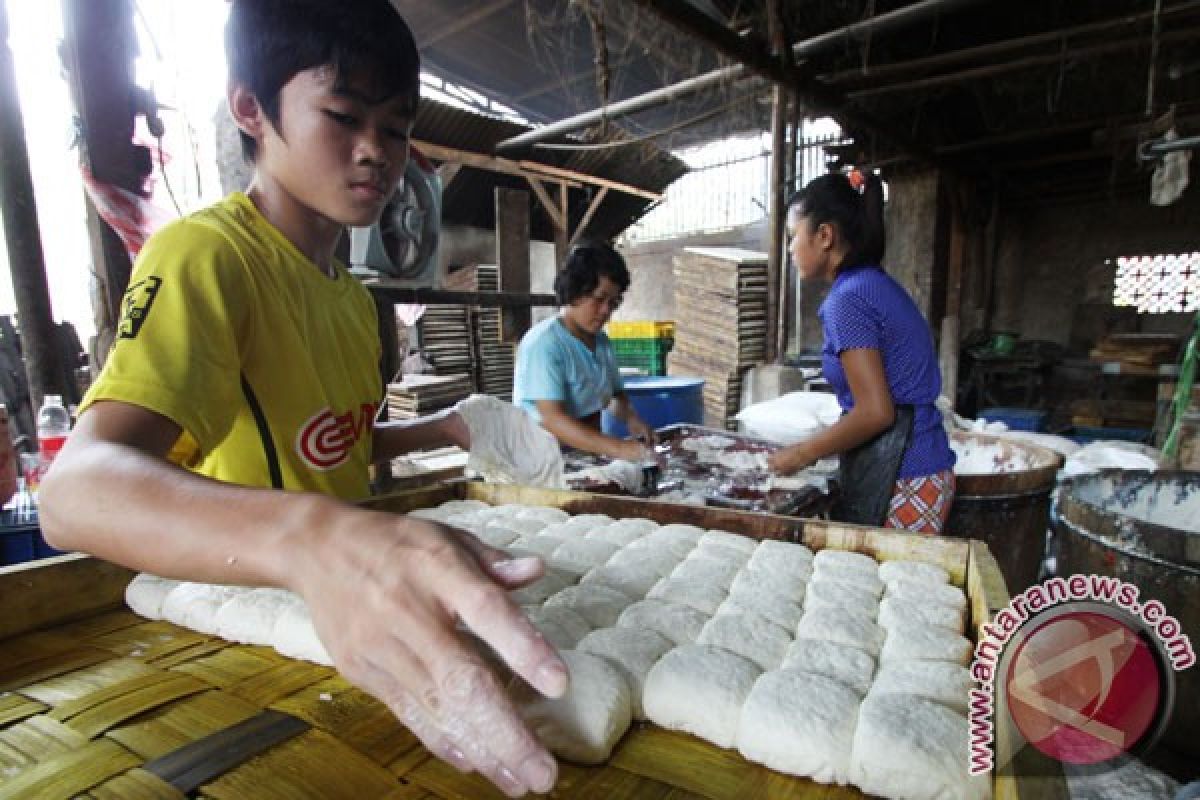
point(270, 367)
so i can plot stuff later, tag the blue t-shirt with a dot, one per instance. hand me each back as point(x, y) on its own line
point(554, 365)
point(867, 308)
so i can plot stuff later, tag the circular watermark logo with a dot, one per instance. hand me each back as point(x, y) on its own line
point(1087, 683)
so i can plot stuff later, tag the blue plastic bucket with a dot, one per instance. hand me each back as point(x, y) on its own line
point(660, 401)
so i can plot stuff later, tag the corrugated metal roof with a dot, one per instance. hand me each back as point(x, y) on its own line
point(469, 199)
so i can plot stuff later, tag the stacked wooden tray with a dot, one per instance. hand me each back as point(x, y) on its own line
point(721, 308)
point(96, 702)
point(494, 358)
point(417, 395)
point(442, 341)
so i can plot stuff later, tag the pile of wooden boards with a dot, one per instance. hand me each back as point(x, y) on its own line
point(417, 395)
point(466, 339)
point(1136, 351)
point(721, 323)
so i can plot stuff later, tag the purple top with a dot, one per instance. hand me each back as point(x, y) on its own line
point(867, 308)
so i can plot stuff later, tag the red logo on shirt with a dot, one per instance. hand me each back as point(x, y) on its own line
point(326, 439)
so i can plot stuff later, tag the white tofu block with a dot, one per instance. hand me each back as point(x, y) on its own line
point(917, 641)
point(910, 748)
point(695, 569)
point(624, 531)
point(749, 635)
point(589, 522)
point(800, 723)
point(919, 571)
point(550, 516)
point(599, 605)
point(941, 594)
point(633, 651)
point(841, 627)
point(585, 723)
point(145, 594)
point(733, 541)
point(700, 690)
point(250, 617)
point(862, 579)
point(660, 560)
point(561, 626)
point(783, 558)
point(633, 580)
point(700, 596)
point(295, 637)
point(581, 554)
point(194, 605)
point(526, 526)
point(939, 681)
point(750, 582)
point(899, 611)
point(463, 506)
point(539, 544)
point(497, 533)
point(845, 559)
point(551, 582)
point(779, 610)
point(838, 594)
point(681, 624)
point(848, 665)
point(677, 546)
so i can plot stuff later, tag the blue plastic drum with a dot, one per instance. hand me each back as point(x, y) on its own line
point(660, 401)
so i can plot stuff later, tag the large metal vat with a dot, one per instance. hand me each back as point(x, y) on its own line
point(1112, 523)
point(1008, 510)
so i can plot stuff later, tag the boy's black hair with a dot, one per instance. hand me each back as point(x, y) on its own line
point(858, 216)
point(267, 42)
point(585, 264)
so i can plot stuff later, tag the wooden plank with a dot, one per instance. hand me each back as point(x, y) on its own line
point(570, 174)
point(38, 594)
point(587, 215)
point(512, 257)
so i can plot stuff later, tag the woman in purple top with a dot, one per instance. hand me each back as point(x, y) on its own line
point(897, 468)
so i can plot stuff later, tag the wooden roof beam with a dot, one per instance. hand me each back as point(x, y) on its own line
point(530, 170)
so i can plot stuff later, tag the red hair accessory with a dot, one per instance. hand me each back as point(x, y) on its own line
point(857, 179)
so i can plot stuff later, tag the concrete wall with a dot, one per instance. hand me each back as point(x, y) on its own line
point(1055, 278)
point(651, 292)
point(914, 255)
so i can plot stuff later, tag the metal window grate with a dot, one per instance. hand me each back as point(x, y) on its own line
point(1158, 284)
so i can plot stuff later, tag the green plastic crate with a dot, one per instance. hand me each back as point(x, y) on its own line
point(641, 347)
point(655, 364)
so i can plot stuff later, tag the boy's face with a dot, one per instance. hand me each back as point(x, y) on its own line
point(338, 150)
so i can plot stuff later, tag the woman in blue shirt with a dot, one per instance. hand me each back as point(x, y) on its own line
point(897, 468)
point(566, 372)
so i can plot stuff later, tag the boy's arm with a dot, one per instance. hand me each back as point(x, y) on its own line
point(385, 591)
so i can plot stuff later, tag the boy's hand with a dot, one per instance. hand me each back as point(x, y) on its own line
point(386, 598)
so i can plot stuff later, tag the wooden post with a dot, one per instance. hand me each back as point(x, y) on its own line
point(776, 219)
point(512, 257)
point(948, 347)
point(99, 52)
point(562, 236)
point(22, 236)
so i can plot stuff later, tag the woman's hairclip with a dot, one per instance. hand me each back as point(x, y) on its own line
point(857, 180)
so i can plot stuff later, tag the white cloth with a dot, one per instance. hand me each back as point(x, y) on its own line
point(507, 446)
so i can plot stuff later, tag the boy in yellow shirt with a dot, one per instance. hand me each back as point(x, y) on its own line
point(235, 416)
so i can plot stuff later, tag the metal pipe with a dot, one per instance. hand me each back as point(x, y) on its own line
point(632, 105)
point(1152, 151)
point(667, 94)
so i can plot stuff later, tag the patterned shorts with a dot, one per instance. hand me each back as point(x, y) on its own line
point(922, 504)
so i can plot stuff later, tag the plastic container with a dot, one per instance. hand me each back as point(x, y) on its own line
point(645, 355)
point(1086, 435)
point(1017, 419)
point(53, 425)
point(660, 402)
point(21, 538)
point(641, 329)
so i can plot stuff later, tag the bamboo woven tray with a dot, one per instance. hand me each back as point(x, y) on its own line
point(96, 702)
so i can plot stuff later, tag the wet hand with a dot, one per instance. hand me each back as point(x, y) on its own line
point(388, 594)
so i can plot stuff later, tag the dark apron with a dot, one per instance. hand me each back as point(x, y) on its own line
point(867, 474)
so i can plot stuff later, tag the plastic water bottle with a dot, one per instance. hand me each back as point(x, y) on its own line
point(53, 425)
